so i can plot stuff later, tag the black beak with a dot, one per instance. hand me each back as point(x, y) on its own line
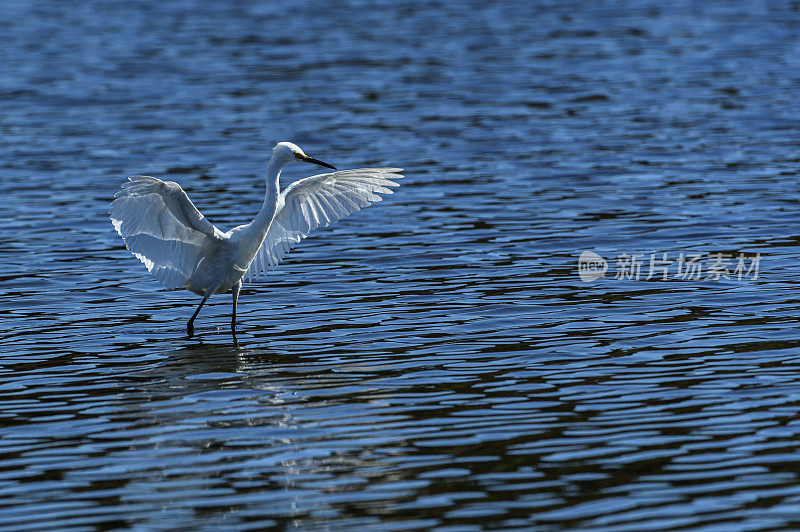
point(311, 160)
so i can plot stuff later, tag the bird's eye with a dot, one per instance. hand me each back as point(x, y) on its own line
point(297, 155)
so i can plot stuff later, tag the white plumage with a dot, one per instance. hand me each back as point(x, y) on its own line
point(318, 201)
point(182, 249)
point(162, 227)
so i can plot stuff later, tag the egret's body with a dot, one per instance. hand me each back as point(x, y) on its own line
point(164, 229)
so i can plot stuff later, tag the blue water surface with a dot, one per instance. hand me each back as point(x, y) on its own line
point(435, 361)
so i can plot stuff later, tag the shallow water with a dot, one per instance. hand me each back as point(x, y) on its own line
point(434, 361)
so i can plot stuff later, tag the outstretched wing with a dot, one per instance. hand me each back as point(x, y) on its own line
point(162, 227)
point(316, 201)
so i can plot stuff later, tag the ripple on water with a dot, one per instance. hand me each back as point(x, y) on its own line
point(434, 361)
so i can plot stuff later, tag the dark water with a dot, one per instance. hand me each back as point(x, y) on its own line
point(434, 361)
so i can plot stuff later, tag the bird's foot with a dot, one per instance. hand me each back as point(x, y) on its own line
point(190, 329)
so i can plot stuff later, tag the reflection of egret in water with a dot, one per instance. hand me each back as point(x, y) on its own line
point(164, 229)
point(233, 427)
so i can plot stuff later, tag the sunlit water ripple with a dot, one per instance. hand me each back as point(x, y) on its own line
point(435, 360)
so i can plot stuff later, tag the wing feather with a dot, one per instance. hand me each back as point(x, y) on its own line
point(319, 201)
point(162, 228)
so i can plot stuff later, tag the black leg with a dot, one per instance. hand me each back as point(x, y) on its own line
point(236, 288)
point(190, 325)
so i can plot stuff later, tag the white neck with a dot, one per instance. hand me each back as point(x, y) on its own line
point(256, 230)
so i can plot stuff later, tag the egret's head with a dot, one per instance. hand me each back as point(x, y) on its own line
point(289, 152)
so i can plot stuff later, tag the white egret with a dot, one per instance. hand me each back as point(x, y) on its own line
point(178, 245)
